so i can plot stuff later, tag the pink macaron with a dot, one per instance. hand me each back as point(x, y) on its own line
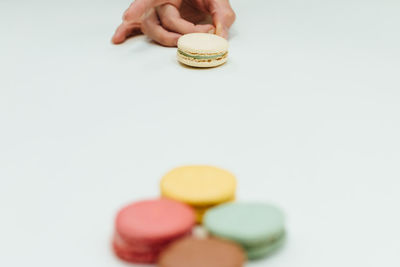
point(143, 229)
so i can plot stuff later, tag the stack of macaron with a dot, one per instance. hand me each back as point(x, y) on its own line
point(143, 229)
point(161, 230)
point(257, 227)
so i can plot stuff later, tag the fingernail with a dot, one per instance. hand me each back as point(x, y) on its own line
point(212, 31)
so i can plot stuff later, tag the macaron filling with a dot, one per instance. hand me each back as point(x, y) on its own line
point(261, 243)
point(214, 56)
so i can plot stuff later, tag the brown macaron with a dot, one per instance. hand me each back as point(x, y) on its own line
point(195, 252)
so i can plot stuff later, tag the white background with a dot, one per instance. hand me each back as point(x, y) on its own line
point(306, 114)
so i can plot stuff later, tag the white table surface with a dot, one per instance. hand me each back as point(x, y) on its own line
point(306, 113)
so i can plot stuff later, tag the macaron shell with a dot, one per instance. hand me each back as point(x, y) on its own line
point(246, 223)
point(209, 252)
point(133, 257)
point(154, 221)
point(263, 251)
point(199, 185)
point(143, 247)
point(202, 43)
point(201, 63)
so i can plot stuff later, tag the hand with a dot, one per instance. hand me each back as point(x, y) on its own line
point(164, 21)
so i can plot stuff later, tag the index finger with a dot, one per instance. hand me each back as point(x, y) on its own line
point(223, 16)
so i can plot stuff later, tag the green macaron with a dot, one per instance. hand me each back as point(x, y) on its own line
point(257, 227)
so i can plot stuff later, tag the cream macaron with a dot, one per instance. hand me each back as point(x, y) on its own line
point(202, 50)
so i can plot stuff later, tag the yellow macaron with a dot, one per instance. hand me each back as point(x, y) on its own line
point(200, 186)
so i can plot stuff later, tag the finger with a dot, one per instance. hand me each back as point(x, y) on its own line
point(152, 28)
point(133, 16)
point(123, 32)
point(140, 7)
point(171, 20)
point(223, 16)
